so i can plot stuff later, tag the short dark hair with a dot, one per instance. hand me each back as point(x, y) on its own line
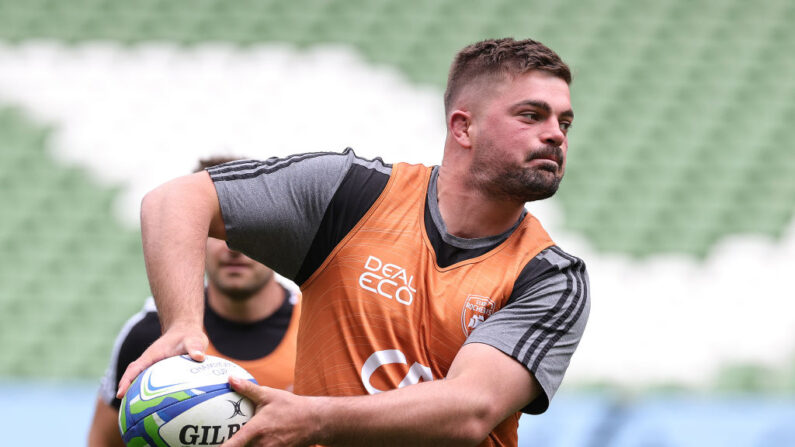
point(209, 162)
point(501, 57)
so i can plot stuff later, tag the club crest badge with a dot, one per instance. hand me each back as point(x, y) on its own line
point(476, 310)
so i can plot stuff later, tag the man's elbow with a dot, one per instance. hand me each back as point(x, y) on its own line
point(163, 204)
point(153, 204)
point(194, 194)
point(484, 416)
point(149, 202)
point(473, 434)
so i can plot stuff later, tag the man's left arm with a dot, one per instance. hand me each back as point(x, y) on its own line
point(541, 325)
point(460, 409)
point(527, 344)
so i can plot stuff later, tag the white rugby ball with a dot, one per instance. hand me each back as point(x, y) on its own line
point(181, 402)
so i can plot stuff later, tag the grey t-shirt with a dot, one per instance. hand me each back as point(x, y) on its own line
point(290, 213)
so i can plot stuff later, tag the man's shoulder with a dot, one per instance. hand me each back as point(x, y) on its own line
point(560, 258)
point(358, 189)
point(376, 163)
point(551, 265)
point(311, 163)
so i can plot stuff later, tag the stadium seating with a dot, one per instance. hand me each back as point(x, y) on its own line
point(66, 265)
point(685, 134)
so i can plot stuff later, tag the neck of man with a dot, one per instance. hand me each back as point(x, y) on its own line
point(258, 306)
point(468, 212)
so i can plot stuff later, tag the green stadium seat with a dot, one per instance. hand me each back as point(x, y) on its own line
point(659, 163)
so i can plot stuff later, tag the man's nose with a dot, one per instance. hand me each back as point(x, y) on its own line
point(553, 134)
point(233, 253)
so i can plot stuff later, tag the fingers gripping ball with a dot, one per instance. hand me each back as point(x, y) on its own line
point(181, 402)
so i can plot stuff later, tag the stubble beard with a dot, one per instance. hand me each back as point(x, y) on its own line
point(244, 291)
point(516, 183)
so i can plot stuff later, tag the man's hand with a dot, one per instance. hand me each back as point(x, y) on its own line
point(281, 418)
point(459, 410)
point(175, 341)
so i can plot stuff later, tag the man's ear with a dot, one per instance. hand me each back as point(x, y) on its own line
point(459, 123)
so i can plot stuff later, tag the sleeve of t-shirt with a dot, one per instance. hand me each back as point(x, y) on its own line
point(287, 212)
point(137, 334)
point(543, 321)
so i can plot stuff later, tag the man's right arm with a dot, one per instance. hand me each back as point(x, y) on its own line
point(176, 219)
point(286, 213)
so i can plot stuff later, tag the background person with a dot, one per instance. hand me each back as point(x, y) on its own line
point(249, 316)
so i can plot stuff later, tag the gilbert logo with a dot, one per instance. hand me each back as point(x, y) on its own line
point(207, 434)
point(387, 280)
point(476, 310)
point(236, 406)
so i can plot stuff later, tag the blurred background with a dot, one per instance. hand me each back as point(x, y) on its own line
point(679, 194)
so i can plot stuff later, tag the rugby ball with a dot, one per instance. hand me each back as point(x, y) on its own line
point(181, 402)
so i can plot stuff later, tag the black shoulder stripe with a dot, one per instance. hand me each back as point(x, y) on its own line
point(359, 189)
point(233, 166)
point(573, 297)
point(578, 303)
point(541, 324)
point(242, 171)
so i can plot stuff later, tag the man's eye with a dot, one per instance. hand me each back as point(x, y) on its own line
point(565, 126)
point(530, 115)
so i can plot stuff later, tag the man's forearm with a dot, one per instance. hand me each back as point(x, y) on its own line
point(175, 221)
point(483, 387)
point(434, 413)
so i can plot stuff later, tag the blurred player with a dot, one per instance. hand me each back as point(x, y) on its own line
point(249, 317)
point(435, 308)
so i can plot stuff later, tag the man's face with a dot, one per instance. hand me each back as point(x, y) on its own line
point(518, 136)
point(233, 273)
